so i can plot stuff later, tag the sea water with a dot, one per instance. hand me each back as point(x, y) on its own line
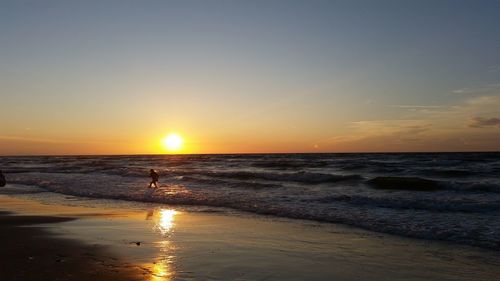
point(463, 207)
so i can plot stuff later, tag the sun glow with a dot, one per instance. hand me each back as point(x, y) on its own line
point(172, 143)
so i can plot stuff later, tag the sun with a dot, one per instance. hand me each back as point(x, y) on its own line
point(172, 142)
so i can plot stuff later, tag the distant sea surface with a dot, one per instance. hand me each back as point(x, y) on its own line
point(462, 207)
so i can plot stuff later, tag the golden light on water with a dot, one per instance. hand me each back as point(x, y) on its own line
point(172, 143)
point(166, 220)
point(162, 269)
point(164, 224)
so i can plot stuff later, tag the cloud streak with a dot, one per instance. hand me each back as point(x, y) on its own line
point(428, 128)
point(483, 89)
point(481, 122)
point(419, 106)
point(42, 140)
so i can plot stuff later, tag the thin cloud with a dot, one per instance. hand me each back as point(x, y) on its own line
point(17, 138)
point(481, 122)
point(463, 91)
point(481, 89)
point(494, 68)
point(42, 140)
point(419, 106)
point(424, 109)
point(427, 127)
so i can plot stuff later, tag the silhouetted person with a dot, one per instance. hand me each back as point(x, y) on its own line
point(154, 178)
point(3, 182)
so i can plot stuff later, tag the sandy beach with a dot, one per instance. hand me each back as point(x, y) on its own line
point(31, 253)
point(57, 237)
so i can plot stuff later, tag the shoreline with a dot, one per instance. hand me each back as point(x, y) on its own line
point(183, 243)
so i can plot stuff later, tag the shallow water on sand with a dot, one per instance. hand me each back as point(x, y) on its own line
point(200, 243)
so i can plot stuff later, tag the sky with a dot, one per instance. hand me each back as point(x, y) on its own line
point(115, 77)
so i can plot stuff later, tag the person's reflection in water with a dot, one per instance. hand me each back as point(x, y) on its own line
point(149, 214)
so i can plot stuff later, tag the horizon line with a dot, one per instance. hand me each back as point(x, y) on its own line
point(246, 153)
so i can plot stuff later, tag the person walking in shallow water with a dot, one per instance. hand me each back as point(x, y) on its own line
point(154, 178)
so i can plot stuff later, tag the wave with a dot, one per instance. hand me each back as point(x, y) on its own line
point(300, 177)
point(422, 217)
point(423, 184)
point(449, 173)
point(405, 183)
point(227, 183)
point(21, 189)
point(104, 167)
point(439, 204)
point(475, 187)
point(287, 164)
point(269, 179)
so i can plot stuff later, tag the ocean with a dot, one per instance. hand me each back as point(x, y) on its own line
point(452, 197)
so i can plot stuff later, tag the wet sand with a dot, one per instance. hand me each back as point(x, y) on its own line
point(112, 240)
point(30, 252)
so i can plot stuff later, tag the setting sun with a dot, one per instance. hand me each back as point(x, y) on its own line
point(172, 143)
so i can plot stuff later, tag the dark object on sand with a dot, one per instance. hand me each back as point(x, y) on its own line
point(404, 183)
point(3, 182)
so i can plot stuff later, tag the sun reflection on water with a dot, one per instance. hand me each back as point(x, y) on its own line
point(164, 223)
point(162, 268)
point(166, 220)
